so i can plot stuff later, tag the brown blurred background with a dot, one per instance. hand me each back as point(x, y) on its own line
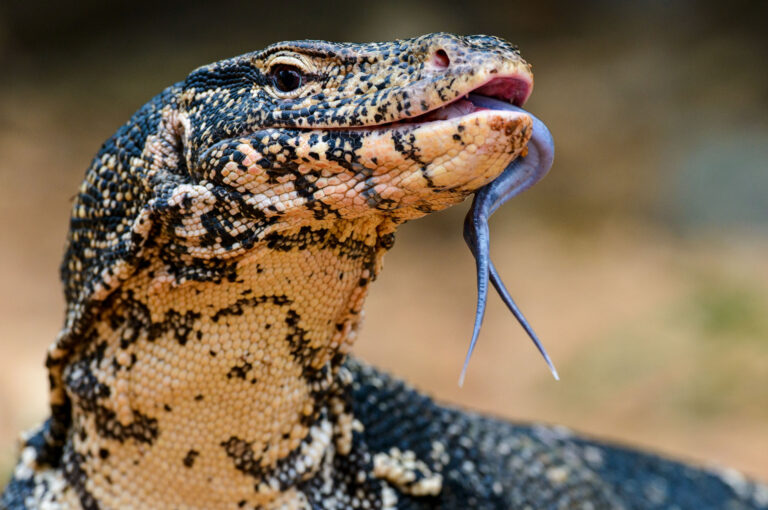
point(640, 260)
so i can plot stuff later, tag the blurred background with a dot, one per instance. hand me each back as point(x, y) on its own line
point(640, 260)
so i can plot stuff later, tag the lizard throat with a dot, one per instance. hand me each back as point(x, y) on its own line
point(261, 406)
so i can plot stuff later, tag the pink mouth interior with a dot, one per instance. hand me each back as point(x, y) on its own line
point(512, 90)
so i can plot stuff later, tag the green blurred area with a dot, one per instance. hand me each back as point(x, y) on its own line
point(640, 258)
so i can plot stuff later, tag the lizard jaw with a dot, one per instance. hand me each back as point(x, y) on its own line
point(401, 169)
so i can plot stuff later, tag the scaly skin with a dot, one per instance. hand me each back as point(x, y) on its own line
point(220, 250)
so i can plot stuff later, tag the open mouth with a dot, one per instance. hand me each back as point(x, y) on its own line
point(513, 90)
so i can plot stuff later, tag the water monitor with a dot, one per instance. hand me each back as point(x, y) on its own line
point(220, 250)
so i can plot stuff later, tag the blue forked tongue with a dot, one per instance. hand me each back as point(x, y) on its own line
point(520, 174)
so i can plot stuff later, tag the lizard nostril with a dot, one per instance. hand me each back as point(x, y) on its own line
point(440, 59)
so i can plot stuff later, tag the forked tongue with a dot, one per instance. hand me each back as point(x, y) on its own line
point(520, 174)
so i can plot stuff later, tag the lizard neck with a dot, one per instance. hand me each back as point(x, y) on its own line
point(260, 404)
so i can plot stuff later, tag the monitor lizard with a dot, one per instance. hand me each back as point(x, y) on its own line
point(220, 250)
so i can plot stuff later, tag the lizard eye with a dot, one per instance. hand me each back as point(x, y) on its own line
point(286, 78)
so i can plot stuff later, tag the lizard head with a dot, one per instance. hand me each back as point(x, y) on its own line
point(299, 133)
point(308, 129)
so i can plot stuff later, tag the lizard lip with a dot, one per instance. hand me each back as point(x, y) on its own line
point(513, 89)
